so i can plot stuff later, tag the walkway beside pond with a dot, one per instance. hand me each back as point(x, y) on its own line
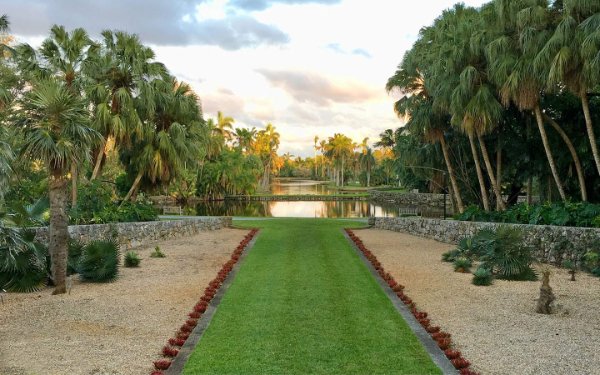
point(304, 302)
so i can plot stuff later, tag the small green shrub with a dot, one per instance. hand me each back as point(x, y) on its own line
point(132, 259)
point(482, 277)
point(451, 255)
point(462, 265)
point(99, 261)
point(570, 265)
point(157, 253)
point(23, 262)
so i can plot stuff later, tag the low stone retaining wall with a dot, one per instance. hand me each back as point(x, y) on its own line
point(545, 239)
point(136, 234)
point(410, 199)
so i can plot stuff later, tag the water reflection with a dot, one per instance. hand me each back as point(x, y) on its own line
point(284, 186)
point(325, 209)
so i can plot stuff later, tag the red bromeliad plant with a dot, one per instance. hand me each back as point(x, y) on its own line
point(209, 293)
point(442, 339)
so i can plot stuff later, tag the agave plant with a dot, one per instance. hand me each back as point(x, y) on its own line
point(99, 261)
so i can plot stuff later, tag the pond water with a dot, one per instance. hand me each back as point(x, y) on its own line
point(326, 209)
point(321, 209)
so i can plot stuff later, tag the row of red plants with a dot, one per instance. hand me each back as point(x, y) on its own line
point(171, 350)
point(442, 338)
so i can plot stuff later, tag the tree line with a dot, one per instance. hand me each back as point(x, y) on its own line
point(503, 99)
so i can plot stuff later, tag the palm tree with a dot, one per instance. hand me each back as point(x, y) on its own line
point(266, 145)
point(244, 138)
point(56, 132)
point(316, 148)
point(225, 126)
point(367, 161)
point(121, 71)
point(524, 31)
point(569, 58)
point(173, 137)
point(64, 54)
point(340, 148)
point(386, 139)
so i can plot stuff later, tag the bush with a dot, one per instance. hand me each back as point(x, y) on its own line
point(75, 250)
point(157, 253)
point(581, 214)
point(132, 259)
point(99, 261)
point(507, 257)
point(23, 262)
point(482, 277)
point(451, 255)
point(462, 265)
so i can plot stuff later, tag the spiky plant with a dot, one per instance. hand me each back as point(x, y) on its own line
point(462, 265)
point(509, 258)
point(75, 250)
point(482, 277)
point(22, 261)
point(99, 261)
point(132, 259)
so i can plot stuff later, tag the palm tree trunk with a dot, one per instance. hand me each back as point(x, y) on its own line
point(99, 159)
point(342, 177)
point(490, 170)
point(74, 177)
point(590, 128)
point(574, 155)
point(59, 230)
point(484, 195)
point(134, 187)
point(540, 122)
point(529, 190)
point(498, 170)
point(459, 202)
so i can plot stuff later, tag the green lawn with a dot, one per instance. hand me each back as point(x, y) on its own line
point(303, 302)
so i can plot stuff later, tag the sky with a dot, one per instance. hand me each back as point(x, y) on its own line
point(309, 67)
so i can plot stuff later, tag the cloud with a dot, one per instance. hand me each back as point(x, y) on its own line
point(223, 100)
point(313, 88)
point(361, 52)
point(254, 5)
point(158, 22)
point(336, 47)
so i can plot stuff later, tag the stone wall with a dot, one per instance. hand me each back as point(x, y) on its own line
point(410, 199)
point(545, 239)
point(136, 234)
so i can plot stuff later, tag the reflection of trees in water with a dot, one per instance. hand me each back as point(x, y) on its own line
point(328, 209)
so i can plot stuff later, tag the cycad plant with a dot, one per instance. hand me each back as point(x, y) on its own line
point(99, 261)
point(507, 257)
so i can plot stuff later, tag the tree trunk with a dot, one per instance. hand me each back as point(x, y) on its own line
point(74, 178)
point(484, 195)
point(490, 170)
point(368, 178)
point(99, 159)
point(590, 128)
point(540, 122)
point(574, 155)
point(58, 232)
point(498, 171)
point(134, 187)
point(342, 177)
point(529, 190)
point(459, 201)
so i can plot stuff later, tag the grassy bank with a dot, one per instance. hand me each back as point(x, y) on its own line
point(303, 302)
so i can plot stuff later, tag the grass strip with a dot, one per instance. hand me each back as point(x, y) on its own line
point(303, 302)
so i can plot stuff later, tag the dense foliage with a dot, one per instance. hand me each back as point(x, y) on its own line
point(503, 100)
point(581, 214)
point(99, 261)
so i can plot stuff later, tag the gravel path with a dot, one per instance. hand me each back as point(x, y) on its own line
point(117, 328)
point(496, 327)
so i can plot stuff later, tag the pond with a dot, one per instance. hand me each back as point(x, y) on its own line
point(320, 209)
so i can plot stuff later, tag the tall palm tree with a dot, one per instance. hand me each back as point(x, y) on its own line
point(266, 145)
point(570, 58)
point(121, 71)
point(55, 124)
point(341, 148)
point(316, 147)
point(8, 80)
point(367, 161)
point(173, 136)
point(523, 32)
point(64, 54)
point(225, 126)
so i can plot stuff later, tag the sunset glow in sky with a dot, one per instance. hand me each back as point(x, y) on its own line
point(310, 67)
